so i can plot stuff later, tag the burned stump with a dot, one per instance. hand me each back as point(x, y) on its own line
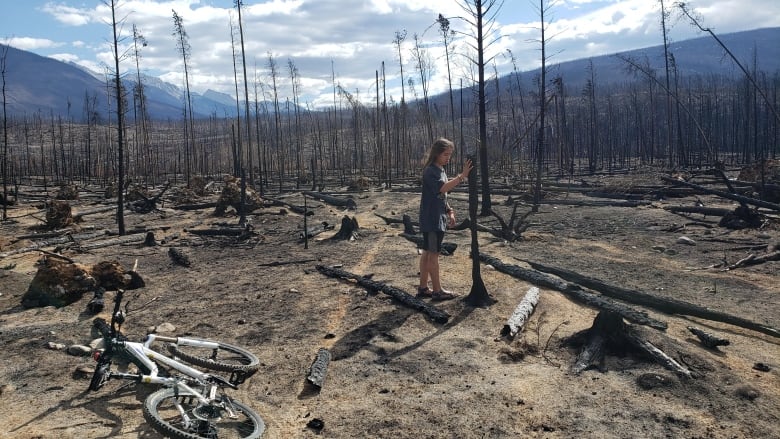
point(348, 231)
point(610, 334)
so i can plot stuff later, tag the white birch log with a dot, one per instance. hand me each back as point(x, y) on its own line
point(520, 316)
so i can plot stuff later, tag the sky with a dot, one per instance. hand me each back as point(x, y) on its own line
point(350, 39)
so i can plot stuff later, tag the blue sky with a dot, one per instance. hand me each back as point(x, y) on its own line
point(349, 37)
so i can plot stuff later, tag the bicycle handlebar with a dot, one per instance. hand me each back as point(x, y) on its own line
point(102, 326)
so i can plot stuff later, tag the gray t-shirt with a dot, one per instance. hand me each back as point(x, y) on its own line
point(433, 203)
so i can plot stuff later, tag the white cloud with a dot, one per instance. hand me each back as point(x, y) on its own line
point(27, 43)
point(68, 15)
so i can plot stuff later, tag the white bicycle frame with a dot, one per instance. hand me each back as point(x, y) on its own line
point(149, 358)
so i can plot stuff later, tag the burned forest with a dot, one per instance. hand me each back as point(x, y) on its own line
point(615, 258)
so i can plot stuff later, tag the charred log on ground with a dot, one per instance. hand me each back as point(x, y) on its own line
point(401, 296)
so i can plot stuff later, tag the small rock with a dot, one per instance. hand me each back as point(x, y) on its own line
point(293, 290)
point(165, 328)
point(79, 350)
point(83, 371)
point(686, 240)
point(659, 248)
point(55, 346)
point(761, 367)
point(670, 252)
point(7, 389)
point(315, 424)
point(651, 380)
point(748, 392)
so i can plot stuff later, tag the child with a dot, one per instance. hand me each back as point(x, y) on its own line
point(436, 215)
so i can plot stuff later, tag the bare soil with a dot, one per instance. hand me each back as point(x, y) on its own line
point(395, 373)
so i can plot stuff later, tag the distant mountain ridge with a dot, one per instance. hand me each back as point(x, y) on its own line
point(36, 84)
point(39, 84)
point(697, 56)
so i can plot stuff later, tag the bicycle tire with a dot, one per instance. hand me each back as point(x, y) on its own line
point(226, 358)
point(161, 413)
point(100, 375)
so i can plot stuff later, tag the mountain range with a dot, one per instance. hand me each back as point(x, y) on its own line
point(38, 84)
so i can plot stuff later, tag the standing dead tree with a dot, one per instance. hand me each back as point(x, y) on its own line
point(120, 116)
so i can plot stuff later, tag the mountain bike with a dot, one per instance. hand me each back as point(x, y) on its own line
point(192, 403)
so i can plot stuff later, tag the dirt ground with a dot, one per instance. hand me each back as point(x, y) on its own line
point(394, 373)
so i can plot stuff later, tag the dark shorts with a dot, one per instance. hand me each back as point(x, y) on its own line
point(432, 241)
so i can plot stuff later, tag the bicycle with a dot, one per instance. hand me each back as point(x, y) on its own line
point(192, 403)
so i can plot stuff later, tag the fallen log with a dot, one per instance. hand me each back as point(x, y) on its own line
point(574, 291)
point(669, 306)
point(196, 206)
point(65, 239)
point(45, 235)
point(389, 220)
point(707, 211)
point(401, 296)
point(740, 198)
point(319, 368)
point(349, 203)
point(754, 260)
point(280, 263)
point(597, 203)
point(520, 316)
point(124, 239)
point(315, 230)
point(296, 209)
point(222, 231)
point(79, 215)
point(707, 339)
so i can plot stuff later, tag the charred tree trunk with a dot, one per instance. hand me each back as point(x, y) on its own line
point(575, 292)
point(669, 306)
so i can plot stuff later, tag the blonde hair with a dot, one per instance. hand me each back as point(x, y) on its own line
point(439, 146)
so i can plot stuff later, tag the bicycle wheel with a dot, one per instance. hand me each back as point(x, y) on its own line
point(226, 358)
point(205, 422)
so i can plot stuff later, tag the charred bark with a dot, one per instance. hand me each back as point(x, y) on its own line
point(348, 231)
point(401, 296)
point(708, 340)
point(319, 368)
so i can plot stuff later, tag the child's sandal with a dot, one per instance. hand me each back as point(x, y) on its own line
point(442, 295)
point(424, 292)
